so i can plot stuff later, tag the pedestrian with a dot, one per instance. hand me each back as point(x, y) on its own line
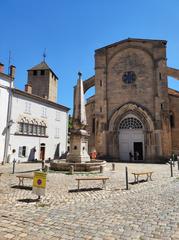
point(130, 156)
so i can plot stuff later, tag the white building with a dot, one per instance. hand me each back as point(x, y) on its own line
point(37, 127)
point(5, 81)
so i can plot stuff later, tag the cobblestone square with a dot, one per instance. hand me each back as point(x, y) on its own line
point(148, 210)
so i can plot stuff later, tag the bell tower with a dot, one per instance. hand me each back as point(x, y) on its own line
point(43, 81)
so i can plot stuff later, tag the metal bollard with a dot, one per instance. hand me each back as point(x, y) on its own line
point(171, 167)
point(14, 164)
point(71, 169)
point(113, 166)
point(101, 169)
point(127, 182)
point(178, 161)
point(43, 164)
point(173, 158)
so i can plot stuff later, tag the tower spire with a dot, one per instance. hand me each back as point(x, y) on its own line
point(44, 55)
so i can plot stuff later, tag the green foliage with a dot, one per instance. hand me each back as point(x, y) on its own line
point(70, 122)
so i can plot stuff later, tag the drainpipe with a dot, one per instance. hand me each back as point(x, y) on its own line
point(9, 110)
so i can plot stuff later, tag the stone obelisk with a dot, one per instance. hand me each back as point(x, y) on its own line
point(79, 136)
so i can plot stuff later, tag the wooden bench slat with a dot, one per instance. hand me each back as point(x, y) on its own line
point(23, 176)
point(137, 174)
point(92, 178)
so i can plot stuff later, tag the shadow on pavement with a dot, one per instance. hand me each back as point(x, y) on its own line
point(84, 190)
point(140, 181)
point(28, 171)
point(22, 187)
point(28, 200)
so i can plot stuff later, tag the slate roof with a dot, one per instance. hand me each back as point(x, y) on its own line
point(173, 92)
point(164, 42)
point(40, 99)
point(42, 66)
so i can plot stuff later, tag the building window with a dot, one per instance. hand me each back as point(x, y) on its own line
point(25, 128)
point(22, 151)
point(27, 107)
point(172, 122)
point(32, 128)
point(57, 133)
point(160, 76)
point(44, 112)
point(129, 77)
point(100, 83)
point(35, 72)
point(101, 109)
point(42, 72)
point(130, 123)
point(43, 130)
point(93, 125)
point(57, 116)
point(38, 130)
point(21, 127)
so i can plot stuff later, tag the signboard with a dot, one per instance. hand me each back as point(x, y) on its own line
point(39, 183)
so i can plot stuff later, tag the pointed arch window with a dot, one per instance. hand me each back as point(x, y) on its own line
point(31, 127)
point(172, 120)
point(130, 123)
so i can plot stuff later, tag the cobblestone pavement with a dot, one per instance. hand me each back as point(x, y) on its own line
point(148, 210)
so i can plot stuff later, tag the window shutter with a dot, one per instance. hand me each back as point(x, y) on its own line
point(20, 152)
point(26, 152)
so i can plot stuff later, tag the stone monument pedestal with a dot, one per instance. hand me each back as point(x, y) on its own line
point(78, 147)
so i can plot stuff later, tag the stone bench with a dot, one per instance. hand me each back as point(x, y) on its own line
point(97, 178)
point(24, 176)
point(137, 174)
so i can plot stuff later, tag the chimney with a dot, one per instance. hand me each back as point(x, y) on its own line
point(1, 67)
point(28, 88)
point(12, 71)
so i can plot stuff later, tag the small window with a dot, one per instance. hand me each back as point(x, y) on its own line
point(57, 116)
point(57, 133)
point(21, 127)
point(24, 151)
point(172, 122)
point(93, 125)
point(35, 129)
point(25, 130)
point(30, 129)
point(129, 77)
point(35, 72)
point(42, 72)
point(28, 107)
point(43, 129)
point(101, 109)
point(101, 83)
point(39, 130)
point(44, 112)
point(160, 76)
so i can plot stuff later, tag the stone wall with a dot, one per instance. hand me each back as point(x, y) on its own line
point(147, 60)
point(174, 108)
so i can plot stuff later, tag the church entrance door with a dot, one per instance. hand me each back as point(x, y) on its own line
point(131, 139)
point(42, 151)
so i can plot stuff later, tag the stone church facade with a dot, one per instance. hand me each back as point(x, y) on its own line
point(133, 114)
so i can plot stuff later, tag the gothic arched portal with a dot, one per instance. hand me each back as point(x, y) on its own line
point(132, 131)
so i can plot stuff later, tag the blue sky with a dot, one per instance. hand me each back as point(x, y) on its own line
point(71, 30)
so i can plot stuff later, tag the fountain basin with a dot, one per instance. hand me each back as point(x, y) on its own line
point(62, 165)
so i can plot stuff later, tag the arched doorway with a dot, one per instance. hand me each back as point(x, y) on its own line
point(42, 151)
point(131, 139)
